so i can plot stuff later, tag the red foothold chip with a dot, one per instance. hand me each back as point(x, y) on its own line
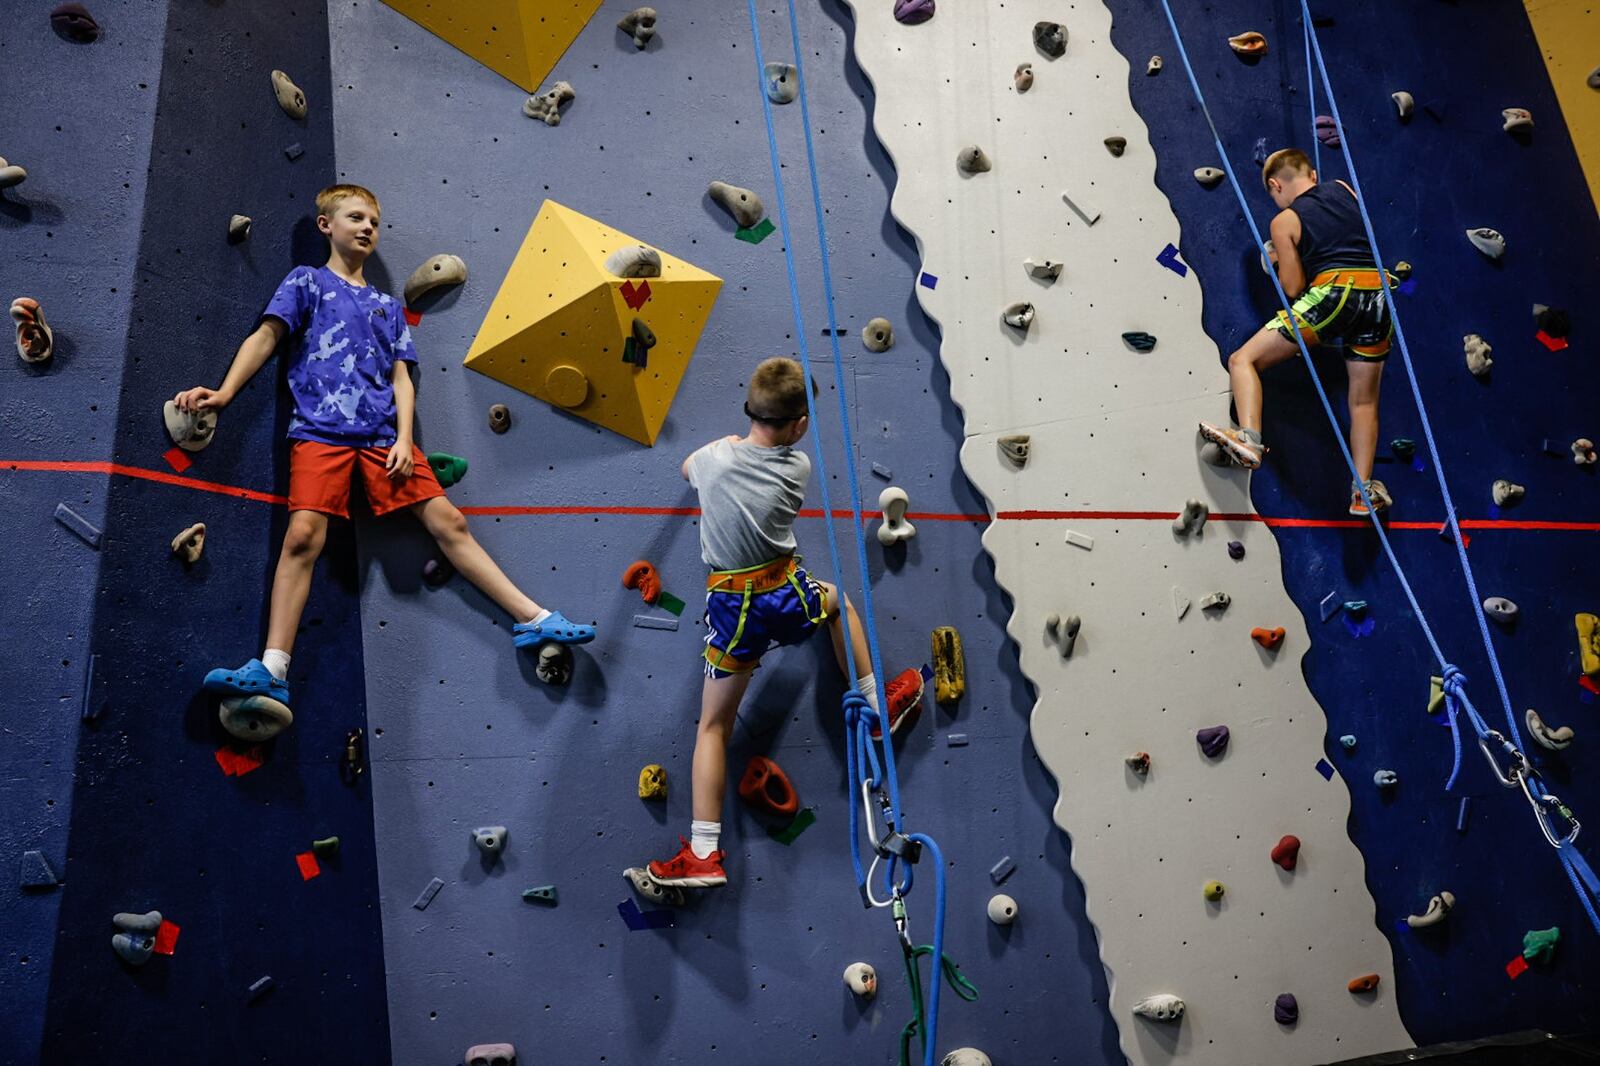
point(167, 938)
point(413, 318)
point(1516, 967)
point(177, 458)
point(308, 865)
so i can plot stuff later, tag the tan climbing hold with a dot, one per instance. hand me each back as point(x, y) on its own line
point(1208, 176)
point(546, 106)
point(640, 24)
point(1438, 909)
point(189, 430)
point(290, 98)
point(1163, 1007)
point(190, 543)
point(1015, 449)
point(566, 386)
point(634, 261)
point(1505, 492)
point(878, 335)
point(238, 228)
point(1517, 120)
point(1154, 66)
point(861, 979)
point(1404, 103)
point(436, 272)
point(1023, 78)
point(973, 160)
point(1583, 452)
point(1478, 354)
point(1250, 43)
point(1557, 739)
point(11, 174)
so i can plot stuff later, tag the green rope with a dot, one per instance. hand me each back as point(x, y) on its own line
point(953, 977)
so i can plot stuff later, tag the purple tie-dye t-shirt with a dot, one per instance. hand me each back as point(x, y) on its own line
point(348, 338)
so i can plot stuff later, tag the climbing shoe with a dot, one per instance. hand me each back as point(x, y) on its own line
point(685, 870)
point(251, 679)
point(905, 696)
point(1234, 444)
point(556, 628)
point(1376, 492)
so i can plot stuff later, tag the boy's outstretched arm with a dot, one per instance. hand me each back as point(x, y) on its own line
point(1285, 231)
point(252, 355)
point(400, 460)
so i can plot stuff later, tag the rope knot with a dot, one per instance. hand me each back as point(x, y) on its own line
point(855, 706)
point(1452, 680)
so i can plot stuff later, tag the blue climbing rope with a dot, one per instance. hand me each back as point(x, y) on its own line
point(861, 754)
point(1517, 771)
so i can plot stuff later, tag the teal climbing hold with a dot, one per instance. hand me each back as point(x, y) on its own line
point(545, 894)
point(448, 468)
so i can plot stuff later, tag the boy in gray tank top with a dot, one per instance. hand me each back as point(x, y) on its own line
point(757, 595)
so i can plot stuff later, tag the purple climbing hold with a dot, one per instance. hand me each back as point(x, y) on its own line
point(436, 572)
point(74, 23)
point(1286, 1010)
point(1235, 549)
point(912, 12)
point(1328, 131)
point(1213, 740)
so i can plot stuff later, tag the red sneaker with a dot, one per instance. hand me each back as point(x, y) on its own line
point(905, 696)
point(684, 870)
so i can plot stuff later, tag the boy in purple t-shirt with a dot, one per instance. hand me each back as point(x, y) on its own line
point(353, 404)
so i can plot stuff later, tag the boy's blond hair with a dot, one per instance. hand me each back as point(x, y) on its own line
point(329, 199)
point(1281, 160)
point(777, 392)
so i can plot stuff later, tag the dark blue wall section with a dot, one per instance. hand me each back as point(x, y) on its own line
point(1426, 181)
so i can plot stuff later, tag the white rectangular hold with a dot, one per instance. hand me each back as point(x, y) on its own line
point(1089, 216)
point(1081, 540)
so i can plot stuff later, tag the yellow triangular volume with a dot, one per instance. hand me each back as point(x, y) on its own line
point(518, 39)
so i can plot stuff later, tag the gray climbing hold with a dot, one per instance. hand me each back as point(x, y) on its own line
point(1212, 454)
point(782, 82)
point(134, 949)
point(499, 418)
point(11, 174)
point(254, 718)
point(640, 24)
point(73, 22)
point(1501, 609)
point(1064, 631)
point(189, 430)
point(1002, 909)
point(644, 338)
point(634, 261)
point(555, 664)
point(190, 543)
point(1213, 740)
point(744, 205)
point(148, 922)
point(1438, 909)
point(258, 988)
point(1050, 38)
point(1164, 1007)
point(493, 1054)
point(1018, 316)
point(290, 98)
point(1286, 1009)
point(878, 335)
point(861, 979)
point(1089, 215)
point(36, 872)
point(36, 341)
point(1180, 602)
point(1023, 78)
point(1478, 352)
point(1043, 269)
point(972, 160)
point(1516, 120)
point(1385, 778)
point(546, 106)
point(1208, 176)
point(1506, 492)
point(1116, 145)
point(1139, 342)
point(238, 229)
point(1487, 241)
point(436, 272)
point(1154, 66)
point(1556, 739)
point(490, 839)
point(1404, 104)
point(1003, 868)
point(667, 895)
point(1014, 448)
point(1215, 601)
point(425, 897)
point(294, 151)
point(1192, 519)
point(1593, 80)
point(1348, 742)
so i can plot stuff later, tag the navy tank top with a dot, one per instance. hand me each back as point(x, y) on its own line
point(1331, 233)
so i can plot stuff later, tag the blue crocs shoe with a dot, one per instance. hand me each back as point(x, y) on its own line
point(251, 679)
point(555, 629)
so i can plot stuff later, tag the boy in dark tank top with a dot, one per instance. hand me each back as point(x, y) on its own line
point(1326, 266)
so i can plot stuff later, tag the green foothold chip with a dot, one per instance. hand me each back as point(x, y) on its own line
point(1538, 945)
point(801, 823)
point(757, 233)
point(668, 602)
point(448, 468)
point(325, 847)
point(545, 894)
point(627, 349)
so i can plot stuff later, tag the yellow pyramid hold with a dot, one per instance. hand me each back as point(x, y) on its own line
point(518, 39)
point(560, 324)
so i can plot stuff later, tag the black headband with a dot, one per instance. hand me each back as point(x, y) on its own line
point(774, 420)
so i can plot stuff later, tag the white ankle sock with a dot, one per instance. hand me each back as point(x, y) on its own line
point(868, 687)
point(276, 662)
point(536, 619)
point(703, 837)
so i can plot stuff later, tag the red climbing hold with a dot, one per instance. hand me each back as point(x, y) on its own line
point(643, 576)
point(1268, 638)
point(1287, 853)
point(1364, 984)
point(767, 787)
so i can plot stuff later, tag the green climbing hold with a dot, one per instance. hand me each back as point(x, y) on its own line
point(1538, 945)
point(448, 468)
point(785, 836)
point(545, 894)
point(1404, 448)
point(757, 233)
point(325, 848)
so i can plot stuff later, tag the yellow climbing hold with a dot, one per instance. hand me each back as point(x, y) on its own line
point(1435, 694)
point(1588, 643)
point(949, 665)
point(518, 39)
point(1214, 891)
point(559, 327)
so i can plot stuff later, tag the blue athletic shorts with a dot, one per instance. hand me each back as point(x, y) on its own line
point(750, 610)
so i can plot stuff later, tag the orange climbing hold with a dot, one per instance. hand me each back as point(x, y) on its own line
point(643, 576)
point(766, 787)
point(1364, 984)
point(1287, 853)
point(1268, 638)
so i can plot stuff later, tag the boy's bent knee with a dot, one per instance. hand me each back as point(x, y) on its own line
point(448, 523)
point(307, 530)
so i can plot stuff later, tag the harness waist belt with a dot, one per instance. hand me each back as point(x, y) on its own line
point(763, 577)
point(1357, 279)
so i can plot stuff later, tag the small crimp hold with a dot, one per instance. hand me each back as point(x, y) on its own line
point(1050, 38)
point(913, 12)
point(1385, 778)
point(190, 543)
point(1138, 762)
point(1551, 739)
point(1366, 983)
point(973, 160)
point(1235, 549)
point(1348, 742)
point(1287, 852)
point(878, 335)
point(1249, 44)
point(499, 418)
point(1139, 342)
point(1404, 104)
point(640, 24)
point(744, 205)
point(1516, 120)
point(1213, 891)
point(1403, 270)
point(653, 782)
point(1015, 449)
point(491, 1055)
point(436, 272)
point(1023, 78)
point(1403, 447)
point(72, 22)
point(1064, 631)
point(1213, 740)
point(782, 81)
point(543, 894)
point(1180, 602)
point(1327, 130)
point(326, 848)
point(1192, 519)
point(1163, 1007)
point(1154, 66)
point(546, 106)
point(894, 528)
point(491, 839)
point(134, 949)
point(1215, 601)
point(35, 339)
point(555, 664)
point(1487, 241)
point(238, 229)
point(1116, 145)
point(1268, 638)
point(1506, 492)
point(1438, 909)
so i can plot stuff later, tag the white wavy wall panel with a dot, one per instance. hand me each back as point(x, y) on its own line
point(1114, 430)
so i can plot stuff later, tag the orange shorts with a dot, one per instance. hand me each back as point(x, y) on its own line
point(320, 476)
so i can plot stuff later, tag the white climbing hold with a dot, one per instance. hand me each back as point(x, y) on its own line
point(490, 839)
point(878, 335)
point(1192, 519)
point(1043, 269)
point(190, 543)
point(1064, 631)
point(1154, 66)
point(634, 261)
point(1501, 609)
point(238, 228)
point(1116, 145)
point(36, 341)
point(966, 1056)
point(783, 82)
point(1249, 43)
point(1023, 78)
point(1080, 540)
point(546, 106)
point(1583, 452)
point(1215, 601)
point(1553, 739)
point(1180, 602)
point(893, 502)
point(1015, 449)
point(254, 718)
point(1487, 241)
point(640, 24)
point(861, 979)
point(1404, 103)
point(290, 98)
point(1269, 259)
point(1438, 909)
point(1516, 119)
point(1478, 351)
point(1018, 316)
point(1002, 909)
point(435, 272)
point(1162, 1007)
point(744, 205)
point(1208, 176)
point(10, 174)
point(1506, 492)
point(639, 877)
point(972, 160)
point(1385, 778)
point(189, 430)
point(491, 1055)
